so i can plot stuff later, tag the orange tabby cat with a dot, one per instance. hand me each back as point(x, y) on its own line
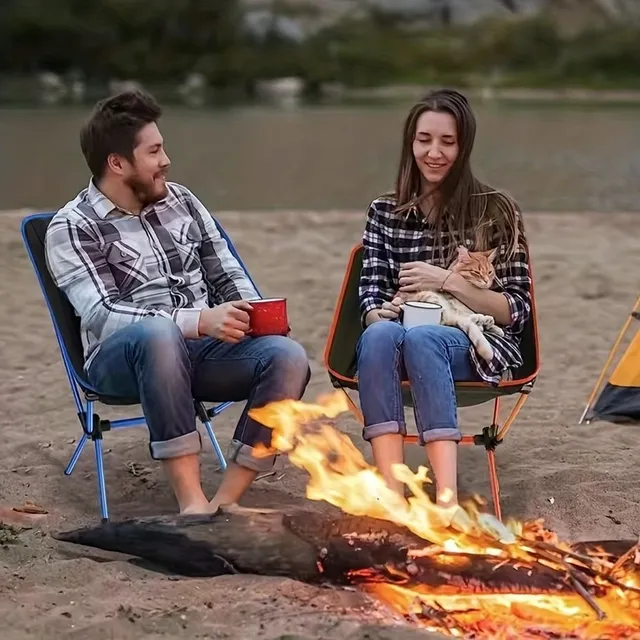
point(476, 267)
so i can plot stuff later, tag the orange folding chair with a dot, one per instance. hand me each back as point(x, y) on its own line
point(340, 361)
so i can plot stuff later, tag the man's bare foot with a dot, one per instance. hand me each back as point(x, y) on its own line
point(234, 507)
point(197, 508)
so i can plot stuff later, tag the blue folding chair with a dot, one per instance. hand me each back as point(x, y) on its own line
point(66, 325)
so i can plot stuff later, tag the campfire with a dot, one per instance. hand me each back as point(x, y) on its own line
point(494, 580)
point(489, 581)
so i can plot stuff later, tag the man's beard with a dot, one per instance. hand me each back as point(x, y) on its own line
point(146, 191)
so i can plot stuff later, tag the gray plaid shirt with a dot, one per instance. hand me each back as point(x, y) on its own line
point(117, 268)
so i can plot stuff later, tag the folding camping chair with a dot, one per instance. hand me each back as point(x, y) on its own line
point(66, 325)
point(340, 360)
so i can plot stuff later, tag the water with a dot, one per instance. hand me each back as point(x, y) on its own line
point(248, 158)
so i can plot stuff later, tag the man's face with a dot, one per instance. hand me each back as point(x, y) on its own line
point(146, 176)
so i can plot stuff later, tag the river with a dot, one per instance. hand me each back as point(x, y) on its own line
point(550, 157)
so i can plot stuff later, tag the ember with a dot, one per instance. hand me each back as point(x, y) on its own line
point(590, 594)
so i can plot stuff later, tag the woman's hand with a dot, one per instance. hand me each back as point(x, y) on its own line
point(418, 276)
point(388, 311)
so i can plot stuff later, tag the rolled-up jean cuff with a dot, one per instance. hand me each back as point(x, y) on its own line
point(383, 429)
point(443, 433)
point(242, 455)
point(185, 445)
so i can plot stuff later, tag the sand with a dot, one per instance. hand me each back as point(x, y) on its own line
point(582, 479)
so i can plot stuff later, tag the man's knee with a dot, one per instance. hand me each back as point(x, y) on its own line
point(286, 360)
point(156, 328)
point(159, 339)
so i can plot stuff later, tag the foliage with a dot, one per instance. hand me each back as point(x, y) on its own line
point(164, 40)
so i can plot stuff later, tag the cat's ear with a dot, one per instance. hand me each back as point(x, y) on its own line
point(463, 254)
point(491, 255)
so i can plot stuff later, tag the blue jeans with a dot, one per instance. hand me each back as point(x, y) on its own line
point(151, 361)
point(431, 358)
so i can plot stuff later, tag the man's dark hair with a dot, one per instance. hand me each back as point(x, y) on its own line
point(113, 127)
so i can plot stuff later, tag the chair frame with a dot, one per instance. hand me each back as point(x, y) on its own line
point(86, 396)
point(491, 436)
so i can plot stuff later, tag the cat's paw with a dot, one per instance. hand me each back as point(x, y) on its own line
point(483, 321)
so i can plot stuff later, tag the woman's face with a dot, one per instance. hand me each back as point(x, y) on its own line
point(435, 145)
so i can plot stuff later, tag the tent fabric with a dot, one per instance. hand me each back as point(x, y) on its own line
point(618, 405)
point(619, 401)
point(627, 373)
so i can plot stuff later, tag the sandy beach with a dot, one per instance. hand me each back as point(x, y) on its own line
point(581, 479)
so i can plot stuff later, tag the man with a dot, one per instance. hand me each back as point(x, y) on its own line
point(162, 301)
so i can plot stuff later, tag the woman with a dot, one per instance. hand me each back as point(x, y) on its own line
point(410, 239)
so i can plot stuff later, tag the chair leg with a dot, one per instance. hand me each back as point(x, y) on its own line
point(512, 416)
point(97, 447)
point(76, 455)
point(205, 417)
point(353, 407)
point(495, 484)
point(491, 454)
point(214, 441)
point(102, 487)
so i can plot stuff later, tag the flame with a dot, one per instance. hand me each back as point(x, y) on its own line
point(339, 475)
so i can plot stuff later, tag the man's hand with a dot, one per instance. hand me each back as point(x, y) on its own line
point(228, 321)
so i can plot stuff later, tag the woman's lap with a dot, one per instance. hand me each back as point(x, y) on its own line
point(432, 358)
point(425, 340)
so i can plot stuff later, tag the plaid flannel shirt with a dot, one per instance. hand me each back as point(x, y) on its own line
point(116, 268)
point(391, 240)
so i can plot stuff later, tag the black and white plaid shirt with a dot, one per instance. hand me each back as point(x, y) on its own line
point(391, 240)
point(117, 268)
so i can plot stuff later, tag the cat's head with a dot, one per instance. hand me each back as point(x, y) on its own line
point(475, 267)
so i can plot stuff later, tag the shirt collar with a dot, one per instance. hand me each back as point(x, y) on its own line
point(98, 201)
point(103, 206)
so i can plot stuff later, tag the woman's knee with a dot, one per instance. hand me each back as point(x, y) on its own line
point(432, 338)
point(381, 335)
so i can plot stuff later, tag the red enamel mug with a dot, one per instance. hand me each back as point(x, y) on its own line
point(268, 317)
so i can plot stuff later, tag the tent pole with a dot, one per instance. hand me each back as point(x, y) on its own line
point(614, 348)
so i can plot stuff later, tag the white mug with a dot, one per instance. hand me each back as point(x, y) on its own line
point(415, 314)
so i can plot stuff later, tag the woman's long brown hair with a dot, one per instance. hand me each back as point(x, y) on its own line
point(464, 207)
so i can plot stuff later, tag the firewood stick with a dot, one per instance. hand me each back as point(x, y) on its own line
point(605, 575)
point(563, 564)
point(587, 560)
point(442, 618)
point(623, 558)
point(586, 596)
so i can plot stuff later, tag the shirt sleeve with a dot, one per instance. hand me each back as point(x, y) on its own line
point(224, 274)
point(80, 270)
point(514, 277)
point(375, 278)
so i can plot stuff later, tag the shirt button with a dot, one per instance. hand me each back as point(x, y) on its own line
point(123, 254)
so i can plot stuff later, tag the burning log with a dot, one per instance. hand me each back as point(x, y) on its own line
point(469, 576)
point(311, 548)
